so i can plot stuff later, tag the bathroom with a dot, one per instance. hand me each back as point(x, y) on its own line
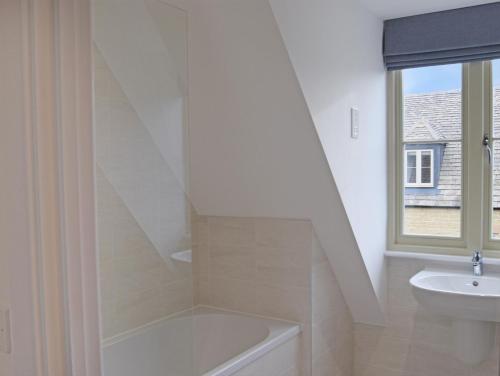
point(250, 188)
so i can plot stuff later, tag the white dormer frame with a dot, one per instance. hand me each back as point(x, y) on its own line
point(418, 181)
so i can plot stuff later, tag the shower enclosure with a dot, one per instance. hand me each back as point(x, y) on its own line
point(153, 322)
point(143, 211)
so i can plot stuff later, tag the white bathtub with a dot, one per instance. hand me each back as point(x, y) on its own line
point(203, 341)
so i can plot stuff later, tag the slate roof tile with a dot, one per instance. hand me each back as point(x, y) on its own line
point(435, 117)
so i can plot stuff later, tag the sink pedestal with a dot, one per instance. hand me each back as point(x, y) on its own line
point(473, 340)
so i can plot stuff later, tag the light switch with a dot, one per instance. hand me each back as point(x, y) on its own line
point(5, 331)
point(354, 122)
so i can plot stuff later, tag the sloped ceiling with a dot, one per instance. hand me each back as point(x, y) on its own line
point(335, 49)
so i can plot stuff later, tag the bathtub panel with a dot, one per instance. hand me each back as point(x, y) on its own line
point(207, 342)
point(282, 361)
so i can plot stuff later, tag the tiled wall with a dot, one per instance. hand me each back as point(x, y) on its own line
point(254, 265)
point(332, 328)
point(414, 342)
point(131, 160)
point(276, 268)
point(137, 285)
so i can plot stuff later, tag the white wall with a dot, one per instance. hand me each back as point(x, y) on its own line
point(335, 48)
point(254, 150)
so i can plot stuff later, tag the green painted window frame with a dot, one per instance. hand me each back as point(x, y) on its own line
point(476, 213)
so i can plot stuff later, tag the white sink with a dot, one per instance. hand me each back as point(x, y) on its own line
point(473, 304)
point(459, 294)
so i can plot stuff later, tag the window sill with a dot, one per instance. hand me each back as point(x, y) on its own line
point(492, 259)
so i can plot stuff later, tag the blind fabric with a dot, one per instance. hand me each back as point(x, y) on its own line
point(452, 36)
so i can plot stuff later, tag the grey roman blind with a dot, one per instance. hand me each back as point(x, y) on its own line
point(451, 36)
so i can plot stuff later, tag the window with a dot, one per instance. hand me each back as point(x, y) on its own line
point(419, 168)
point(445, 184)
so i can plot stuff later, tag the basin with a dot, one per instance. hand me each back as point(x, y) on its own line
point(472, 303)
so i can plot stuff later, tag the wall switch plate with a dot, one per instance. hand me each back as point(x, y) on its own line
point(354, 122)
point(5, 346)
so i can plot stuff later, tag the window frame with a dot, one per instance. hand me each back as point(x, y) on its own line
point(477, 209)
point(418, 168)
point(489, 243)
point(397, 240)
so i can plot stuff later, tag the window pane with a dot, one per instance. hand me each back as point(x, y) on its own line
point(495, 217)
point(496, 97)
point(426, 175)
point(411, 175)
point(436, 210)
point(432, 121)
point(432, 103)
point(426, 159)
point(411, 159)
point(496, 192)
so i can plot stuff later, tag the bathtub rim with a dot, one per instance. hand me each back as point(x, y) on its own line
point(280, 332)
point(132, 332)
point(271, 342)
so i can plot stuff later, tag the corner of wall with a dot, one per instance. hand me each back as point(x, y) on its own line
point(255, 150)
point(336, 57)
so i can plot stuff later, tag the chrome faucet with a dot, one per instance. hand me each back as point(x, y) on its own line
point(477, 263)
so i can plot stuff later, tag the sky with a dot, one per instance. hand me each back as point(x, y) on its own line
point(439, 78)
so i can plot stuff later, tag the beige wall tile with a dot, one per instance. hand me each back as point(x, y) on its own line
point(142, 214)
point(199, 226)
point(275, 267)
point(234, 294)
point(139, 309)
point(433, 360)
point(328, 364)
point(283, 233)
point(390, 353)
point(283, 267)
point(292, 303)
point(177, 296)
point(233, 261)
point(136, 284)
point(232, 271)
point(414, 342)
point(202, 290)
point(201, 259)
point(332, 328)
point(231, 231)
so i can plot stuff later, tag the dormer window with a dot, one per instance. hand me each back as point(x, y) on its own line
point(419, 168)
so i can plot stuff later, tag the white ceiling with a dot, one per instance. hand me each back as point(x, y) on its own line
point(399, 8)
